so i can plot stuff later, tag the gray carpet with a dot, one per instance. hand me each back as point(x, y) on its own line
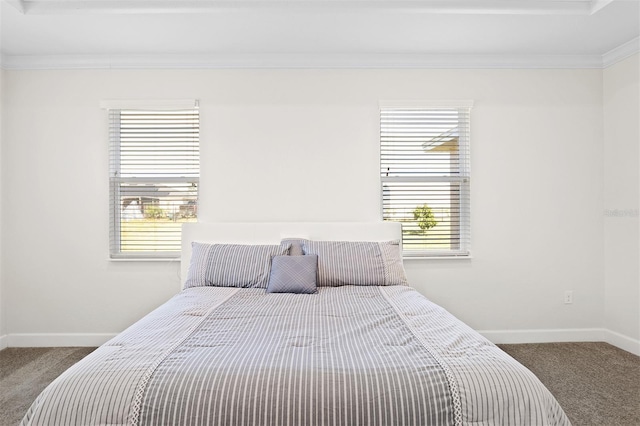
point(25, 372)
point(596, 383)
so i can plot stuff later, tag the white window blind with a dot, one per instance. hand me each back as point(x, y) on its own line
point(425, 175)
point(154, 177)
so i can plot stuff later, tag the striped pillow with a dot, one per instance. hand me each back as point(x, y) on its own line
point(357, 263)
point(232, 265)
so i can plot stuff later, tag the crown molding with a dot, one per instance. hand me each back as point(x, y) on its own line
point(304, 61)
point(531, 7)
point(621, 52)
point(261, 60)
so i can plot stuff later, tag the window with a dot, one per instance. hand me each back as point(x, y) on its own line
point(425, 176)
point(154, 174)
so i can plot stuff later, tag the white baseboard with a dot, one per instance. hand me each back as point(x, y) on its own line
point(545, 336)
point(564, 335)
point(33, 340)
point(4, 342)
point(623, 342)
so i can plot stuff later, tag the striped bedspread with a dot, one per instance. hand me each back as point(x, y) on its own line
point(344, 356)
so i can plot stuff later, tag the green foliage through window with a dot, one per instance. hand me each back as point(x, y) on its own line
point(425, 218)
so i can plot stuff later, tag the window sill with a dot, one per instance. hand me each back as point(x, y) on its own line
point(436, 257)
point(144, 259)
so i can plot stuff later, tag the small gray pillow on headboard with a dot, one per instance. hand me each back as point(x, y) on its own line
point(296, 245)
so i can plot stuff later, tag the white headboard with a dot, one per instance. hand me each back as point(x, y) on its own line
point(272, 233)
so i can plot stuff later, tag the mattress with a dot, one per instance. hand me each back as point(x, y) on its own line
point(349, 355)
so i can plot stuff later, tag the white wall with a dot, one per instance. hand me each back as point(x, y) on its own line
point(3, 332)
point(302, 145)
point(622, 201)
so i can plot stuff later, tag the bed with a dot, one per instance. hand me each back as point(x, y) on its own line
point(326, 332)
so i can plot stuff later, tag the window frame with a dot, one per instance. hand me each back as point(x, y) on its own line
point(114, 108)
point(463, 176)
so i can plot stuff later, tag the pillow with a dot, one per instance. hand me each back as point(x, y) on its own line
point(296, 245)
point(232, 265)
point(357, 263)
point(293, 274)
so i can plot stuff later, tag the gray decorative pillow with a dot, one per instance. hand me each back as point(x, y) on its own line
point(293, 274)
point(296, 245)
point(232, 265)
point(357, 263)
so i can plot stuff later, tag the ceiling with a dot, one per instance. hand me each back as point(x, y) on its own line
point(317, 33)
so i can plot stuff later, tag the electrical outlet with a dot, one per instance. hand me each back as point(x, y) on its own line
point(568, 297)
